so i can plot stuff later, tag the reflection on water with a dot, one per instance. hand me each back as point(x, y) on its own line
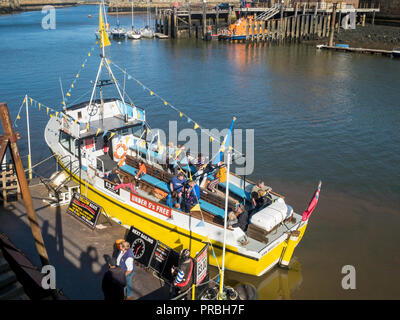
point(277, 284)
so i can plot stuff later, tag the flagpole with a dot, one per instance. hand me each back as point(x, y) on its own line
point(221, 279)
point(29, 138)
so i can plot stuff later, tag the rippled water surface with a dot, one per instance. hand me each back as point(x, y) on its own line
point(316, 115)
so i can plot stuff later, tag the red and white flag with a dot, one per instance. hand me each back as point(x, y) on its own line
point(312, 204)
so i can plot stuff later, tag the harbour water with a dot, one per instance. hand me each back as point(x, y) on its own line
point(316, 115)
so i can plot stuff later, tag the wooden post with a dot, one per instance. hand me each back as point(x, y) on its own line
point(263, 31)
point(373, 18)
point(169, 24)
point(30, 209)
point(269, 33)
point(217, 20)
point(319, 26)
point(326, 23)
point(333, 21)
point(307, 26)
point(247, 30)
point(281, 23)
point(175, 23)
point(297, 27)
point(190, 21)
point(204, 20)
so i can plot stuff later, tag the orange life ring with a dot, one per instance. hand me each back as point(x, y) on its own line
point(119, 155)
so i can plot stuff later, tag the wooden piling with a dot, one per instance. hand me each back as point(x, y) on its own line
point(297, 27)
point(247, 31)
point(190, 21)
point(204, 20)
point(263, 30)
point(333, 21)
point(169, 24)
point(175, 23)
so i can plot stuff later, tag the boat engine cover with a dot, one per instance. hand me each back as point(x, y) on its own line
point(269, 217)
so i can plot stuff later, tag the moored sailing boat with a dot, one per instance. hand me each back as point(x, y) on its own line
point(133, 33)
point(100, 136)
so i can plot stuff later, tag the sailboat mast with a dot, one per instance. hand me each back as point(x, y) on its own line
point(117, 15)
point(132, 14)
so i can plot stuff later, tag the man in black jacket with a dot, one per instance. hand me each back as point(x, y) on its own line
point(113, 281)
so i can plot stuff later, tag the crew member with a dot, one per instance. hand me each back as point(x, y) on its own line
point(183, 273)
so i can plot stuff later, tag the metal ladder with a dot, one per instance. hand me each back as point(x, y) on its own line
point(266, 15)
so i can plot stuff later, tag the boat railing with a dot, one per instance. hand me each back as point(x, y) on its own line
point(62, 160)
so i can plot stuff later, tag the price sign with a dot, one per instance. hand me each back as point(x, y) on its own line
point(84, 209)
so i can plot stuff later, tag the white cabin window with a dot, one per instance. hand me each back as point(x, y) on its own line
point(65, 140)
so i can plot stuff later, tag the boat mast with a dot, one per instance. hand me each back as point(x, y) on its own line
point(132, 14)
point(221, 278)
point(117, 16)
point(104, 61)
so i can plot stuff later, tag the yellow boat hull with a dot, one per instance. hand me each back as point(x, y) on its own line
point(179, 238)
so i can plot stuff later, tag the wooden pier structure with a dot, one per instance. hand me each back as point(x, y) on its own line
point(277, 23)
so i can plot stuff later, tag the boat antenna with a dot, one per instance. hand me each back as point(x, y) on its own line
point(222, 271)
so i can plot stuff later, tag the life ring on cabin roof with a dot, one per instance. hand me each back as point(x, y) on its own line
point(120, 153)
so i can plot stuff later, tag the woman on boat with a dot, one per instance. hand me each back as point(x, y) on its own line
point(191, 196)
point(220, 177)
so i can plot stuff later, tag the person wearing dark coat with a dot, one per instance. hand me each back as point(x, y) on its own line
point(242, 218)
point(114, 282)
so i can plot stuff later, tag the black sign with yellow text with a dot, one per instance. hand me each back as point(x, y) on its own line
point(84, 210)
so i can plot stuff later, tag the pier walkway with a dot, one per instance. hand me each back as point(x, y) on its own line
point(76, 252)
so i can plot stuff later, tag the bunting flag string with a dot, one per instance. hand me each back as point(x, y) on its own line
point(72, 86)
point(59, 114)
point(181, 114)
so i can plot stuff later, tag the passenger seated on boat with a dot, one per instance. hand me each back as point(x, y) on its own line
point(242, 217)
point(199, 162)
point(220, 177)
point(190, 158)
point(173, 200)
point(191, 196)
point(114, 177)
point(232, 220)
point(142, 170)
point(170, 156)
point(126, 184)
point(177, 183)
point(254, 192)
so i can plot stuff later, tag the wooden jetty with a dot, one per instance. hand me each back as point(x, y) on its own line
point(388, 53)
point(296, 22)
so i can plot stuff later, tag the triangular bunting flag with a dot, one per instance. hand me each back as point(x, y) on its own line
point(200, 224)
